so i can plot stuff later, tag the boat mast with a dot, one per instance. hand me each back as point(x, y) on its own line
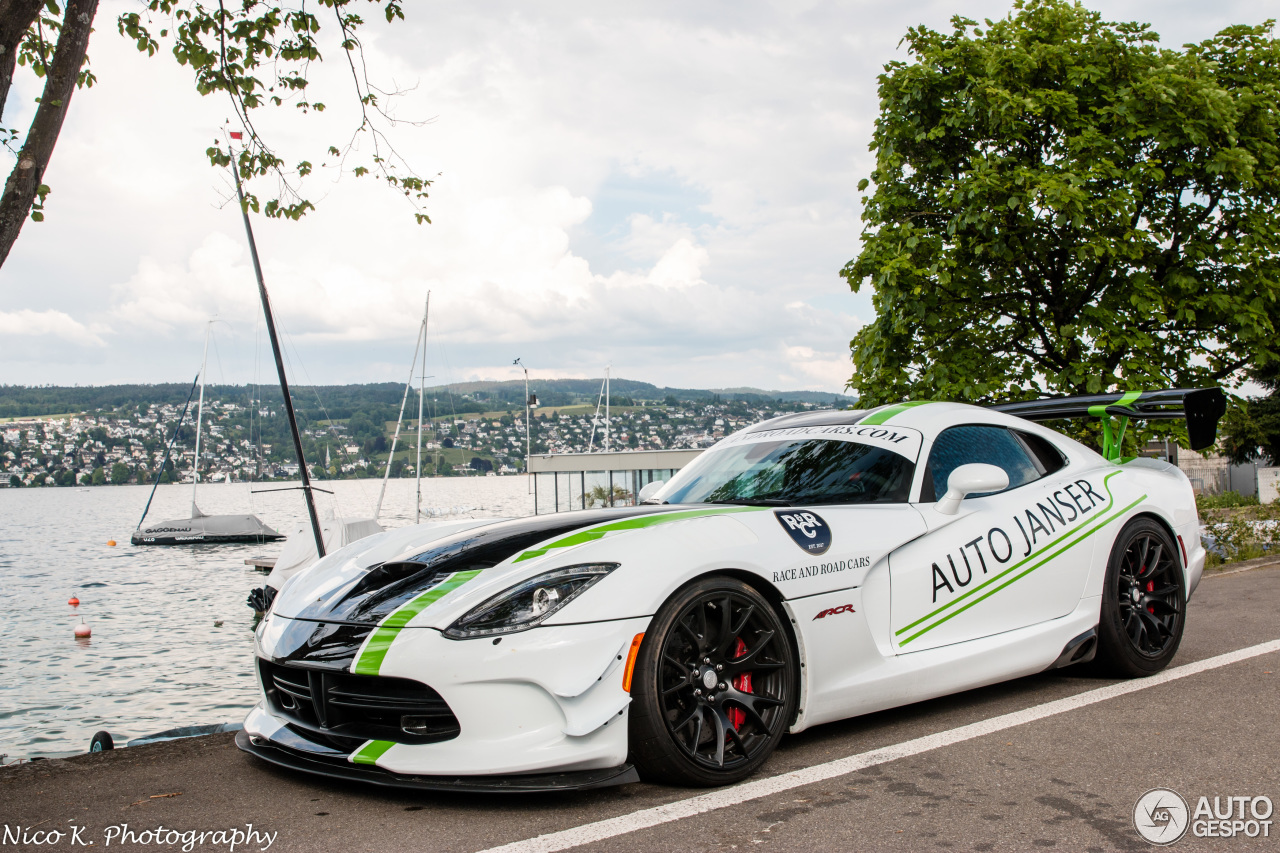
point(195, 466)
point(608, 429)
point(595, 419)
point(275, 349)
point(408, 386)
point(422, 391)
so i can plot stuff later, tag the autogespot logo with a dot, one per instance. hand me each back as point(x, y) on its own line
point(1161, 816)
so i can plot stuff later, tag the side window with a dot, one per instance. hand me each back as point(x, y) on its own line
point(1048, 457)
point(991, 445)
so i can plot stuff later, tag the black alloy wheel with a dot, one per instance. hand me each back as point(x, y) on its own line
point(1143, 602)
point(714, 687)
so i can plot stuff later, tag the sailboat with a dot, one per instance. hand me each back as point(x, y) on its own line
point(200, 528)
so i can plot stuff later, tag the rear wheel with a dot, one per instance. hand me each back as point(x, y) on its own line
point(714, 686)
point(1143, 602)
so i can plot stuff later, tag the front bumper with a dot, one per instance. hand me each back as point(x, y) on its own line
point(545, 703)
point(522, 784)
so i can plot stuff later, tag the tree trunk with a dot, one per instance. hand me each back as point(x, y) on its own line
point(60, 82)
point(16, 17)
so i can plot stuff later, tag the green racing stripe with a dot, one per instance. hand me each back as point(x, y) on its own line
point(371, 656)
point(880, 416)
point(998, 582)
point(370, 752)
point(1128, 399)
point(636, 523)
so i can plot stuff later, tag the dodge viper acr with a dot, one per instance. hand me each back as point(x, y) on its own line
point(809, 568)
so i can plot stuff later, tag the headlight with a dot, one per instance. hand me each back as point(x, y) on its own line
point(528, 603)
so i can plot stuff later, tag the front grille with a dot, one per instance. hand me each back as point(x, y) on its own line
point(345, 710)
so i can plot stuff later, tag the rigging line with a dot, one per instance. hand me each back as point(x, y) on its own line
point(395, 438)
point(289, 345)
point(448, 390)
point(364, 491)
point(160, 472)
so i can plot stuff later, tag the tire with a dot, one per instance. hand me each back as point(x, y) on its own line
point(1144, 602)
point(714, 687)
point(101, 742)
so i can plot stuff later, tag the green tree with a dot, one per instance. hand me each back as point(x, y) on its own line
point(119, 473)
point(258, 54)
point(1251, 428)
point(98, 477)
point(1062, 205)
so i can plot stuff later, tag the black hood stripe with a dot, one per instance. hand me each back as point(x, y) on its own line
point(384, 588)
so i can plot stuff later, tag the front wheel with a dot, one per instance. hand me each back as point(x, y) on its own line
point(714, 686)
point(1144, 602)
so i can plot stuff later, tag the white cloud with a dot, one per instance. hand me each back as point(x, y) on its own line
point(54, 324)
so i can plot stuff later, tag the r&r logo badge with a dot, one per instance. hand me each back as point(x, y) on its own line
point(1161, 816)
point(807, 529)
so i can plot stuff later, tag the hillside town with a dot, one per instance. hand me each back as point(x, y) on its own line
point(242, 442)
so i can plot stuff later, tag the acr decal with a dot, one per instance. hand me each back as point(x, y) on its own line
point(901, 440)
point(638, 522)
point(821, 569)
point(369, 659)
point(807, 529)
point(1001, 546)
point(835, 611)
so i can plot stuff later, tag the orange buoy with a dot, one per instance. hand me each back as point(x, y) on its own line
point(73, 601)
point(83, 632)
point(111, 543)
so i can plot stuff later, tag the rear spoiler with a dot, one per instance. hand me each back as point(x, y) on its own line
point(1201, 407)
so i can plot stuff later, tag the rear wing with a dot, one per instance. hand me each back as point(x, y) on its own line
point(1201, 407)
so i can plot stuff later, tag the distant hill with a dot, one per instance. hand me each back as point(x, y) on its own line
point(339, 401)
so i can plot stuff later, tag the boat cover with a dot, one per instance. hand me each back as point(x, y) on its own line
point(206, 528)
point(299, 550)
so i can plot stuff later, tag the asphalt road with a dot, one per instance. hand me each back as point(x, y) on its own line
point(1068, 781)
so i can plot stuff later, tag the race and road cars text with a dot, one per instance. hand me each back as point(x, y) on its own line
point(901, 440)
point(821, 569)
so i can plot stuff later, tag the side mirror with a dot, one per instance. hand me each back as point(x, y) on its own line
point(974, 478)
point(650, 490)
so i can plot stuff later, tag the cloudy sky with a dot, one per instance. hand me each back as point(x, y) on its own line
point(667, 187)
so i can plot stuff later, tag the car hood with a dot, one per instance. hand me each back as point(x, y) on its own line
point(365, 587)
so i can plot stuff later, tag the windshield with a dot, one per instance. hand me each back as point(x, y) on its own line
point(794, 472)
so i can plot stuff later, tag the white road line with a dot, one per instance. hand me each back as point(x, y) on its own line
point(680, 809)
point(1270, 565)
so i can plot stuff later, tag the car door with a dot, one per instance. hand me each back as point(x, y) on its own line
point(1005, 560)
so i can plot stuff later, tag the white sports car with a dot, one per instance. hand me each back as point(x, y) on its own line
point(806, 569)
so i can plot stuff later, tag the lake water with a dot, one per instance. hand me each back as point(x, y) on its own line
point(158, 657)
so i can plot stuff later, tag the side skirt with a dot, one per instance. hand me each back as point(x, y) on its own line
point(1081, 649)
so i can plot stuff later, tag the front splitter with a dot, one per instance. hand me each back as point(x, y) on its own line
point(579, 780)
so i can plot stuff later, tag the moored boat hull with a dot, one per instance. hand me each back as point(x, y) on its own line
point(206, 530)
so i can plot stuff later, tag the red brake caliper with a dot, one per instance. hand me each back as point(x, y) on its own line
point(742, 683)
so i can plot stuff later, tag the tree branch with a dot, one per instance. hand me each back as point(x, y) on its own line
point(16, 17)
point(24, 182)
